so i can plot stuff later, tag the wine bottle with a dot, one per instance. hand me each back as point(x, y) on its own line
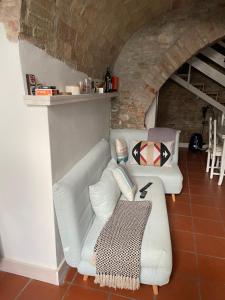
point(108, 81)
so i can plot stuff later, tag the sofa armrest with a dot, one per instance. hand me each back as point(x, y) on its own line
point(113, 150)
point(176, 147)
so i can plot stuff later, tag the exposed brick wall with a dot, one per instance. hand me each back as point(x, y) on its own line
point(180, 109)
point(88, 35)
point(154, 53)
point(10, 17)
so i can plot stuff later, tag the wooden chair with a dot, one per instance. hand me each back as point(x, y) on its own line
point(214, 152)
point(209, 150)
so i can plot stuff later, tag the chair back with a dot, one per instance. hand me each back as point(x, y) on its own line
point(214, 135)
point(210, 133)
point(222, 119)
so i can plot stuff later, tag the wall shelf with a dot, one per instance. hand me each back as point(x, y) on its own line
point(57, 100)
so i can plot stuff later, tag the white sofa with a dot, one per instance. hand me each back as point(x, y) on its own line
point(79, 228)
point(171, 176)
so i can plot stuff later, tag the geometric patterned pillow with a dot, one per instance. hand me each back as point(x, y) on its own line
point(148, 153)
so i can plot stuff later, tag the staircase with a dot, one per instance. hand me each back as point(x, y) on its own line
point(211, 63)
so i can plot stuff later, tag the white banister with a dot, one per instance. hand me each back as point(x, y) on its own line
point(198, 93)
point(214, 55)
point(207, 70)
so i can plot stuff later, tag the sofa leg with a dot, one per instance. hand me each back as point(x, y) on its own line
point(155, 290)
point(85, 278)
point(173, 197)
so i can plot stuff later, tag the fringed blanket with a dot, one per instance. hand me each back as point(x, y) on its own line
point(118, 248)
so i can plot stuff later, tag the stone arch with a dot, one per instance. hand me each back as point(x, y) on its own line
point(88, 35)
point(155, 52)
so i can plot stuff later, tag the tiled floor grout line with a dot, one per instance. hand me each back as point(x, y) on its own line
point(69, 286)
point(223, 221)
point(110, 293)
point(219, 211)
point(194, 236)
point(196, 217)
point(193, 272)
point(89, 288)
point(23, 289)
point(202, 254)
point(200, 233)
point(121, 296)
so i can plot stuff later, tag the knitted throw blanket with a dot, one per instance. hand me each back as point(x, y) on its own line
point(118, 247)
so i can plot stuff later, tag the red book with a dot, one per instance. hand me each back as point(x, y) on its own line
point(46, 92)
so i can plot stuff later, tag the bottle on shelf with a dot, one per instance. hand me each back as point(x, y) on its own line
point(108, 81)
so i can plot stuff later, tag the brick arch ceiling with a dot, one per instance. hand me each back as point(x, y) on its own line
point(88, 34)
point(155, 52)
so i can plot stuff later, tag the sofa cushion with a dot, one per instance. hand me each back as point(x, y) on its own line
point(171, 176)
point(72, 203)
point(127, 187)
point(162, 134)
point(137, 134)
point(156, 244)
point(105, 193)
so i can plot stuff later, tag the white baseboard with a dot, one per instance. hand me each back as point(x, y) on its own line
point(53, 276)
point(62, 271)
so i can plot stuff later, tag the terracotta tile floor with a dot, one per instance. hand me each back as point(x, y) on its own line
point(197, 222)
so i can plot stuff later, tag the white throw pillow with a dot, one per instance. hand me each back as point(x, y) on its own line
point(111, 165)
point(105, 193)
point(127, 187)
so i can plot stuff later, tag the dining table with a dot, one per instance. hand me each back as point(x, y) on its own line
point(221, 136)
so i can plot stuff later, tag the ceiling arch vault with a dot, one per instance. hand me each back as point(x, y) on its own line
point(88, 34)
point(145, 40)
point(155, 52)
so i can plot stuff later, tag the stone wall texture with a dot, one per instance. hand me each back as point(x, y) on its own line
point(155, 52)
point(10, 17)
point(159, 36)
point(88, 35)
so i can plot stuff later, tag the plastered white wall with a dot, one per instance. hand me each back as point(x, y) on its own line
point(51, 71)
point(26, 208)
point(38, 146)
point(48, 70)
point(74, 130)
point(151, 114)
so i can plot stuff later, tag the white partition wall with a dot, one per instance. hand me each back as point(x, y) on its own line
point(26, 210)
point(29, 163)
